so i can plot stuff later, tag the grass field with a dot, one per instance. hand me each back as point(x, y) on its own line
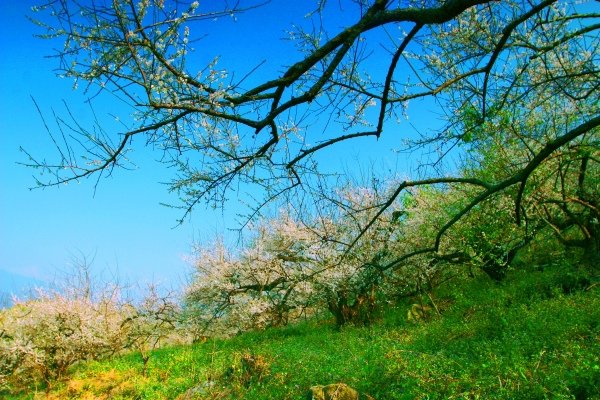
point(535, 336)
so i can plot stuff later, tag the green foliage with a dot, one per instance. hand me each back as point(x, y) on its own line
point(536, 335)
point(518, 85)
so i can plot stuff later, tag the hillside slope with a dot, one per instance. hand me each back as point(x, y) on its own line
point(535, 336)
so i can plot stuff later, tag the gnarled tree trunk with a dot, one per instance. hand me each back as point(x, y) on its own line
point(359, 311)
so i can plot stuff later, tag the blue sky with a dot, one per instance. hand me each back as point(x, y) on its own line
point(121, 225)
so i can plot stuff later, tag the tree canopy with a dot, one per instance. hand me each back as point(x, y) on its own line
point(517, 83)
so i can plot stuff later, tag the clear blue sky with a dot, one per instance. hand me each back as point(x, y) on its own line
point(122, 224)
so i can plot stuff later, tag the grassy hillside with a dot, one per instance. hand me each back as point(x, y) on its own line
point(535, 336)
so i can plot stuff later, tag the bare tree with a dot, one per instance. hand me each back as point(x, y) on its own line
point(485, 64)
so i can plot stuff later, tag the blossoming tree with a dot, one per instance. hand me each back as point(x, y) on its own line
point(482, 64)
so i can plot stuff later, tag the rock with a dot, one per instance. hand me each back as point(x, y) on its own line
point(197, 392)
point(418, 313)
point(336, 391)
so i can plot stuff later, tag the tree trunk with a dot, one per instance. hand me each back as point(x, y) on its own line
point(359, 312)
point(495, 270)
point(591, 249)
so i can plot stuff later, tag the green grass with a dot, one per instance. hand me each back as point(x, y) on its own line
point(535, 336)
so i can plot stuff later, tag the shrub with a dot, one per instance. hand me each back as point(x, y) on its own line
point(43, 337)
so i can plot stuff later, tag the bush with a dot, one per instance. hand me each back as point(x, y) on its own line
point(43, 337)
